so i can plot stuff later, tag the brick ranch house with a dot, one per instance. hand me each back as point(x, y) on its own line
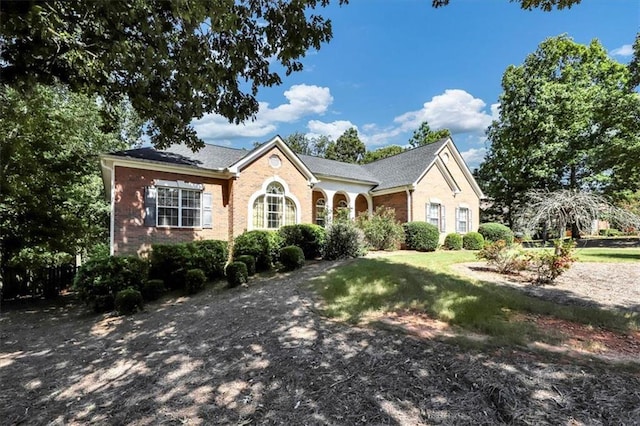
point(176, 195)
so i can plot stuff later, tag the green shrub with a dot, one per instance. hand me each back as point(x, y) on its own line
point(250, 261)
point(472, 241)
point(291, 257)
point(309, 237)
point(494, 231)
point(506, 258)
point(98, 280)
point(381, 229)
point(550, 264)
point(264, 246)
point(128, 301)
point(344, 241)
point(236, 273)
point(453, 242)
point(166, 260)
point(210, 256)
point(152, 289)
point(194, 280)
point(421, 236)
point(171, 262)
point(611, 232)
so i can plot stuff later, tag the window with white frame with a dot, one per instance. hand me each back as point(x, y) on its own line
point(435, 216)
point(463, 220)
point(179, 207)
point(274, 209)
point(321, 211)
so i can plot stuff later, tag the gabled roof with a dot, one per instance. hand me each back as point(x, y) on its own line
point(405, 168)
point(338, 169)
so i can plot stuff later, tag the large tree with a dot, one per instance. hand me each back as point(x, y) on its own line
point(174, 60)
point(380, 153)
point(568, 119)
point(300, 143)
point(51, 194)
point(546, 5)
point(423, 135)
point(347, 148)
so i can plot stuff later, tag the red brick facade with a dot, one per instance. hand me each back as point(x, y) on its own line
point(397, 201)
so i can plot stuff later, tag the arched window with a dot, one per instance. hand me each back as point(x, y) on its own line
point(342, 204)
point(321, 211)
point(274, 209)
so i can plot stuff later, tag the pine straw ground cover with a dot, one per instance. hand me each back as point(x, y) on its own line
point(264, 355)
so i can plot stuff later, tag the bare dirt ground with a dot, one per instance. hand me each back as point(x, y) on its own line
point(263, 355)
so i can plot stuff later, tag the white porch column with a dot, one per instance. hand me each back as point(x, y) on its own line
point(329, 205)
point(352, 204)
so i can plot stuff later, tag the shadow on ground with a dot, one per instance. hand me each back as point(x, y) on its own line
point(263, 355)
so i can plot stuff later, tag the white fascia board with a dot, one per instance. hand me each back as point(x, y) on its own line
point(393, 190)
point(324, 178)
point(448, 177)
point(465, 170)
point(291, 156)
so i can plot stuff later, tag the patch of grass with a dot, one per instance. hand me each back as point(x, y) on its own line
point(608, 254)
point(367, 288)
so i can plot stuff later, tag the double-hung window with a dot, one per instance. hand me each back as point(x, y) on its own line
point(177, 204)
point(436, 216)
point(463, 220)
point(273, 209)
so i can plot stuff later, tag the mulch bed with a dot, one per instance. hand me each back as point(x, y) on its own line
point(263, 355)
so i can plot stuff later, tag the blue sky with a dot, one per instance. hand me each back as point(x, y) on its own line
point(395, 63)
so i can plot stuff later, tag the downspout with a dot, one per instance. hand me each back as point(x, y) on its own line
point(230, 217)
point(112, 208)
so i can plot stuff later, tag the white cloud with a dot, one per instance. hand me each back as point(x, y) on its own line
point(624, 50)
point(455, 110)
point(333, 129)
point(473, 157)
point(303, 100)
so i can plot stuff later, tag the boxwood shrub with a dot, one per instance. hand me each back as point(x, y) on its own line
point(128, 301)
point(309, 237)
point(264, 246)
point(152, 289)
point(453, 242)
point(421, 236)
point(99, 280)
point(171, 262)
point(494, 231)
point(236, 273)
point(194, 280)
point(291, 257)
point(250, 261)
point(472, 241)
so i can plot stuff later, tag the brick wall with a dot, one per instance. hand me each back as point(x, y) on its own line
point(130, 234)
point(252, 179)
point(397, 201)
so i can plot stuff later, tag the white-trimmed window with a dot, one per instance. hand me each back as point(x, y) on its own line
point(436, 216)
point(463, 220)
point(177, 204)
point(274, 209)
point(321, 211)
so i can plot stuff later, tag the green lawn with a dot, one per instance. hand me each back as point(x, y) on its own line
point(608, 254)
point(425, 282)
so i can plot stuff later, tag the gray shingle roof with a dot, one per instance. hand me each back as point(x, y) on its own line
point(401, 169)
point(325, 167)
point(404, 168)
point(211, 157)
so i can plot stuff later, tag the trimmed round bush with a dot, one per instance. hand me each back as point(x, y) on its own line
point(250, 261)
point(309, 237)
point(264, 246)
point(194, 280)
point(472, 241)
point(421, 236)
point(99, 280)
point(236, 274)
point(152, 289)
point(453, 242)
point(210, 256)
point(344, 241)
point(128, 301)
point(291, 257)
point(494, 231)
